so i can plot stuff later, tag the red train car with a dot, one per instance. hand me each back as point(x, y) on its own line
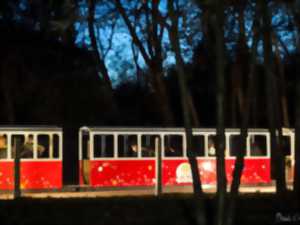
point(123, 157)
point(40, 157)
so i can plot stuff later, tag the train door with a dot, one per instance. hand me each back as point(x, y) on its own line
point(84, 157)
point(288, 149)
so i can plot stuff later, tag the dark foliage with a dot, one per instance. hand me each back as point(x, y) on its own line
point(45, 82)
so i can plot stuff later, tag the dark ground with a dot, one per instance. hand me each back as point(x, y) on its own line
point(169, 209)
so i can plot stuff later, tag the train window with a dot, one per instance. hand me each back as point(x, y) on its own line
point(234, 144)
point(18, 142)
point(127, 146)
point(211, 145)
point(173, 145)
point(55, 146)
point(198, 145)
point(148, 145)
point(258, 145)
point(3, 146)
point(43, 146)
point(286, 145)
point(103, 146)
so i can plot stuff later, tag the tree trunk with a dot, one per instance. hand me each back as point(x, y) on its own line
point(297, 131)
point(282, 91)
point(272, 110)
point(100, 65)
point(101, 68)
point(154, 61)
point(161, 96)
point(220, 101)
point(192, 108)
point(296, 16)
point(174, 40)
point(237, 96)
point(7, 90)
point(187, 103)
point(69, 35)
point(239, 163)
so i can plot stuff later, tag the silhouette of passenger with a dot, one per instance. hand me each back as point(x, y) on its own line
point(3, 147)
point(211, 147)
point(27, 148)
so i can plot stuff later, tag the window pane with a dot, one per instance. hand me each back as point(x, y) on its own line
point(148, 145)
point(211, 151)
point(258, 145)
point(198, 145)
point(127, 146)
point(3, 146)
point(103, 146)
point(43, 146)
point(173, 145)
point(55, 146)
point(234, 145)
point(25, 149)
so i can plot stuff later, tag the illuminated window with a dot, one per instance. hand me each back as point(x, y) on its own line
point(258, 145)
point(148, 145)
point(43, 146)
point(103, 146)
point(173, 145)
point(25, 148)
point(234, 145)
point(198, 145)
point(55, 146)
point(3, 146)
point(127, 146)
point(211, 145)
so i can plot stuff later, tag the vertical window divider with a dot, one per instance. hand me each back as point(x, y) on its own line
point(162, 136)
point(91, 149)
point(35, 144)
point(248, 153)
point(103, 145)
point(115, 141)
point(227, 145)
point(50, 136)
point(9, 149)
point(139, 143)
point(206, 145)
point(267, 135)
point(184, 146)
point(80, 149)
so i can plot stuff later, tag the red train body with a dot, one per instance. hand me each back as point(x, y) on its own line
point(126, 157)
point(105, 159)
point(34, 175)
point(126, 173)
point(38, 170)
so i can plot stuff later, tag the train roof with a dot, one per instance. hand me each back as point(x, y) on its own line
point(173, 129)
point(29, 128)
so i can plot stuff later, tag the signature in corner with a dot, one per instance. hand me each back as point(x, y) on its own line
point(287, 217)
